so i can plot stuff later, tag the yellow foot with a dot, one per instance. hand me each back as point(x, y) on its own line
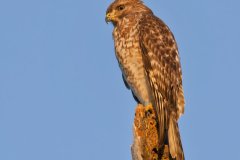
point(148, 107)
point(147, 110)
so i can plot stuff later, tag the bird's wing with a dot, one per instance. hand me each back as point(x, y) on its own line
point(161, 62)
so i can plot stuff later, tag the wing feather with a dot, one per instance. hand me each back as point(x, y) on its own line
point(161, 62)
point(162, 66)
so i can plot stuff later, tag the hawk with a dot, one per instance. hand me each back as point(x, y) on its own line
point(147, 54)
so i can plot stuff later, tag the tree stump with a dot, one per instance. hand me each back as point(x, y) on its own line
point(145, 133)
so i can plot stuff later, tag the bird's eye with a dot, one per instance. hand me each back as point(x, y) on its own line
point(121, 7)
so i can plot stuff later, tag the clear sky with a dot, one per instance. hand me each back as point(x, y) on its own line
point(61, 91)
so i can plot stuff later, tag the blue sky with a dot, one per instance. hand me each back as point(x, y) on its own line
point(61, 91)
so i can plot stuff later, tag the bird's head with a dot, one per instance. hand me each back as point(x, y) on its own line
point(122, 8)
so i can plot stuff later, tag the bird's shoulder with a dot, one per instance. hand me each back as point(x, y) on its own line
point(153, 22)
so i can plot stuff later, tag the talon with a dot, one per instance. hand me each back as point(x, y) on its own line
point(149, 107)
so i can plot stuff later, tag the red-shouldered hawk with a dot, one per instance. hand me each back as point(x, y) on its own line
point(148, 57)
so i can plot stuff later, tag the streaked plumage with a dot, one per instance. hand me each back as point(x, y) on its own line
point(148, 57)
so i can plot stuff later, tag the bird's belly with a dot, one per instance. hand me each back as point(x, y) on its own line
point(131, 64)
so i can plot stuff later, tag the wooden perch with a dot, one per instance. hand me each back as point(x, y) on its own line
point(145, 144)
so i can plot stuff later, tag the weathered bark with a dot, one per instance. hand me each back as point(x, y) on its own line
point(145, 144)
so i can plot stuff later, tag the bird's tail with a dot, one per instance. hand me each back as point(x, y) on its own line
point(174, 140)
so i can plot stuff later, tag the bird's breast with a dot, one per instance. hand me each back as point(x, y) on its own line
point(129, 56)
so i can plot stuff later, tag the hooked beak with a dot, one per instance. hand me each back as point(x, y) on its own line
point(109, 17)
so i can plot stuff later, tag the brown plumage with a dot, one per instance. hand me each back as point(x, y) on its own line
point(148, 57)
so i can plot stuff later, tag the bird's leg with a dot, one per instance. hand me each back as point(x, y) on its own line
point(149, 109)
point(148, 106)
